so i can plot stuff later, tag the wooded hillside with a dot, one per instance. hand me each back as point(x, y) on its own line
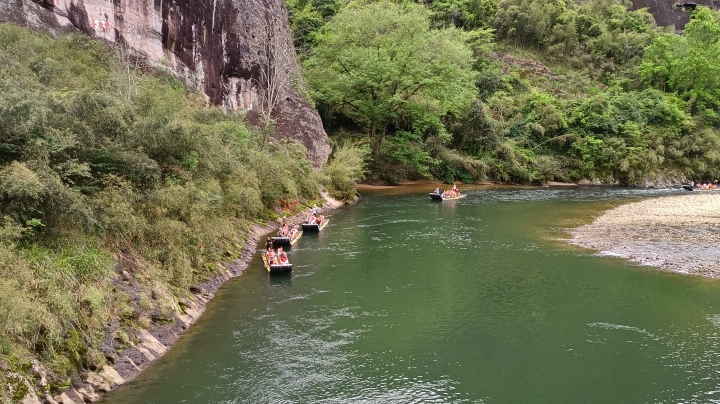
point(109, 167)
point(523, 91)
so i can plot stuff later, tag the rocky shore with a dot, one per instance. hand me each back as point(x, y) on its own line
point(678, 233)
point(152, 342)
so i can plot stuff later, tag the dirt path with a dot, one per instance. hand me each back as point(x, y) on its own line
point(677, 233)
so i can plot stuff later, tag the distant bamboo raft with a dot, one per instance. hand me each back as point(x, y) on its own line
point(314, 227)
point(690, 188)
point(280, 240)
point(438, 197)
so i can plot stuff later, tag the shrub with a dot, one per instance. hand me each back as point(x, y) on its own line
point(345, 170)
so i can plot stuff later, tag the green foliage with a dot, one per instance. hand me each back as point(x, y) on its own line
point(451, 165)
point(100, 161)
point(473, 130)
point(604, 34)
point(565, 97)
point(345, 170)
point(408, 155)
point(306, 19)
point(381, 65)
point(688, 64)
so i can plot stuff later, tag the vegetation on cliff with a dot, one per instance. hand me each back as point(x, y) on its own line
point(107, 165)
point(542, 89)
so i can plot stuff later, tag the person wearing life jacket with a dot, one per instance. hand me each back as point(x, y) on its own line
point(283, 258)
point(280, 254)
point(320, 219)
point(271, 257)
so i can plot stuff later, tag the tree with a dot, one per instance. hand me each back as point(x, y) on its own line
point(382, 66)
point(274, 75)
point(688, 64)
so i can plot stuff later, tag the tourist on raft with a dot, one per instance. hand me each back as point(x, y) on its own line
point(708, 185)
point(271, 256)
point(451, 193)
point(282, 257)
point(320, 219)
point(283, 230)
point(293, 232)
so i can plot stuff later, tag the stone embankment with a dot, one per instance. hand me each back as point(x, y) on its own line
point(151, 343)
point(678, 233)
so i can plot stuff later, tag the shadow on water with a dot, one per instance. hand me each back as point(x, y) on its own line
point(280, 280)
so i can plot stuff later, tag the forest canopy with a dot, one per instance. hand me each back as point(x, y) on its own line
point(523, 91)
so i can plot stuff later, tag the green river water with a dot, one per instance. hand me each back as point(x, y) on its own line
point(406, 300)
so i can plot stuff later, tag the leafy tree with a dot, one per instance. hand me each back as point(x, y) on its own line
point(345, 170)
point(688, 64)
point(382, 66)
point(307, 17)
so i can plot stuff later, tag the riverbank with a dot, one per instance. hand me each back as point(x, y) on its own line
point(677, 233)
point(150, 343)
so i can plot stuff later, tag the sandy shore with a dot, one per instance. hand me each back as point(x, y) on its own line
point(678, 233)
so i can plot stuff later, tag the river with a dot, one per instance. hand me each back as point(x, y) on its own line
point(405, 300)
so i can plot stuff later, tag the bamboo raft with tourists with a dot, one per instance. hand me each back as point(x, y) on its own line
point(286, 237)
point(315, 222)
point(315, 226)
point(448, 195)
point(276, 262)
point(700, 186)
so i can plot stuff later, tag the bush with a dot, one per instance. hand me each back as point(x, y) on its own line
point(101, 161)
point(345, 170)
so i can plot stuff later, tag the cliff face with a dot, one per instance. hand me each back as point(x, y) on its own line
point(675, 12)
point(238, 52)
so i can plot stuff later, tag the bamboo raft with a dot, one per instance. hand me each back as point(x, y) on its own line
point(689, 188)
point(277, 268)
point(280, 240)
point(314, 227)
point(438, 197)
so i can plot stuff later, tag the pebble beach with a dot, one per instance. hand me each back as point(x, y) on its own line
point(677, 233)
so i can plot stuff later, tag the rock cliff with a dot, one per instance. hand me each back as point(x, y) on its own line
point(238, 52)
point(672, 12)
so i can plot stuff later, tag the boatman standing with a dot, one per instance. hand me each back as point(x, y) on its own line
point(314, 210)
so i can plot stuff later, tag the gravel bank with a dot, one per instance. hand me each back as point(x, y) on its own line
point(677, 233)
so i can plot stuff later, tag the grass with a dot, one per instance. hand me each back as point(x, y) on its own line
point(97, 178)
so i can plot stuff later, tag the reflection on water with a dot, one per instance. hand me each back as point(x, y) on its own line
point(405, 300)
point(280, 280)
